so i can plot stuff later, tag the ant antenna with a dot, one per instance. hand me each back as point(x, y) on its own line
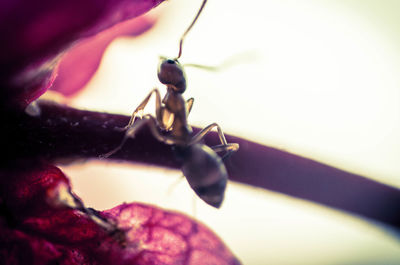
point(189, 28)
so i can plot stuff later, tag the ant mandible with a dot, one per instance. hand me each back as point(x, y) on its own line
point(202, 167)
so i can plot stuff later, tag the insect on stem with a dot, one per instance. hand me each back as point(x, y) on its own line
point(189, 28)
point(203, 168)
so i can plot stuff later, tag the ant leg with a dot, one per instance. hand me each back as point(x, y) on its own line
point(189, 105)
point(194, 213)
point(142, 105)
point(175, 184)
point(116, 149)
point(224, 147)
point(229, 149)
point(200, 135)
point(128, 134)
point(154, 128)
point(232, 147)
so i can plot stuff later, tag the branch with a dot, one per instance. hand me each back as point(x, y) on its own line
point(64, 133)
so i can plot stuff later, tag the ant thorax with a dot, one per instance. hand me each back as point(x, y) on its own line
point(171, 73)
point(176, 106)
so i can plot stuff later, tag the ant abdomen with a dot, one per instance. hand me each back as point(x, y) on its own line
point(205, 172)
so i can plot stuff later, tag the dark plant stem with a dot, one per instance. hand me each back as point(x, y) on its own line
point(63, 134)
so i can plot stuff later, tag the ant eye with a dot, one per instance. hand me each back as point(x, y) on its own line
point(170, 61)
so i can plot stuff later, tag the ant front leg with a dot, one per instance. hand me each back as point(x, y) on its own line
point(223, 147)
point(142, 105)
point(139, 109)
point(154, 128)
point(132, 129)
point(189, 105)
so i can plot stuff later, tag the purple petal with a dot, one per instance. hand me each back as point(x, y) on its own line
point(38, 33)
point(37, 227)
point(79, 64)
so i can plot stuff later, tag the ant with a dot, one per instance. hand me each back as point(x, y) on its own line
point(202, 167)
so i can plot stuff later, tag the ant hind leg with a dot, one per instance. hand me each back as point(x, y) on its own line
point(116, 149)
point(223, 147)
point(228, 148)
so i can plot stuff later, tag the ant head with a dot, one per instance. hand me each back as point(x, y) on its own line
point(171, 73)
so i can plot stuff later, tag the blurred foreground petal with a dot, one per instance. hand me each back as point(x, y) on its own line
point(79, 64)
point(37, 34)
point(38, 226)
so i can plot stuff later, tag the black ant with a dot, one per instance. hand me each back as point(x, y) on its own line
point(202, 167)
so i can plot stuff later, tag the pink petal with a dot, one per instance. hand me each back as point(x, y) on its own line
point(37, 33)
point(163, 237)
point(79, 64)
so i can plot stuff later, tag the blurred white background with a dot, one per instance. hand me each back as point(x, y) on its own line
point(321, 79)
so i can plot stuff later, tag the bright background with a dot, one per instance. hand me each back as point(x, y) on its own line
point(316, 78)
